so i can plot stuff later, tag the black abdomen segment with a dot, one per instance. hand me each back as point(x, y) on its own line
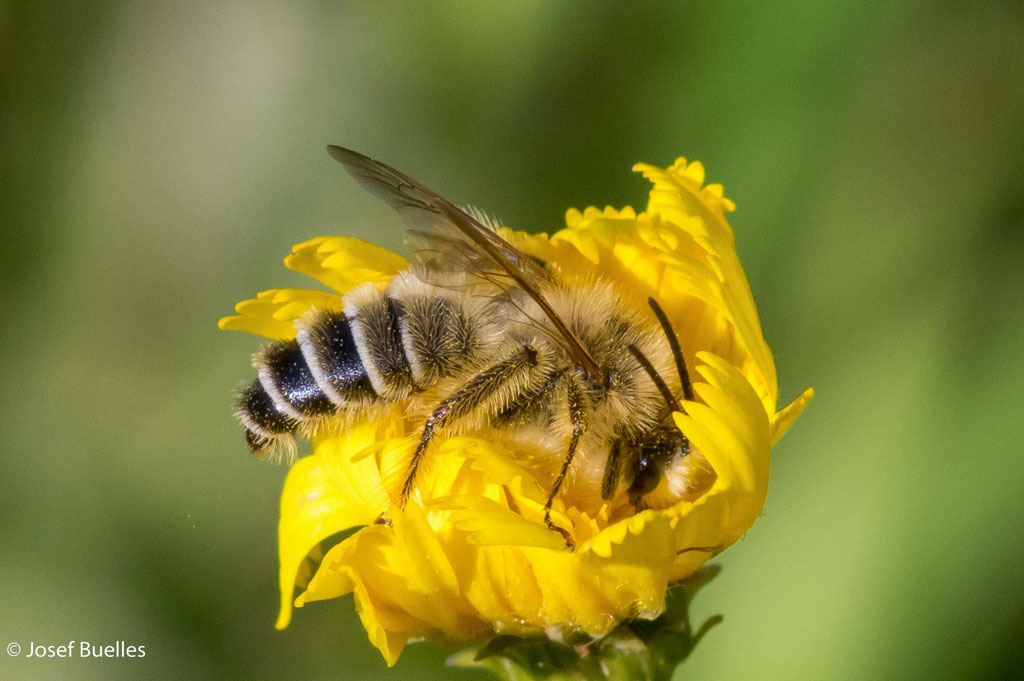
point(330, 351)
point(264, 422)
point(325, 369)
point(286, 377)
point(304, 379)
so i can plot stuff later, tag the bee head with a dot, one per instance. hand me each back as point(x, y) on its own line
point(660, 447)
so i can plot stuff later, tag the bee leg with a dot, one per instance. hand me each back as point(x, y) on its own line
point(578, 417)
point(610, 481)
point(462, 402)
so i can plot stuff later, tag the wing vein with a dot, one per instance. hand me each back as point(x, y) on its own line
point(433, 218)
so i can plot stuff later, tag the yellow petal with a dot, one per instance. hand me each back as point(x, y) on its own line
point(349, 568)
point(569, 593)
point(706, 527)
point(323, 495)
point(501, 586)
point(403, 582)
point(785, 418)
point(273, 313)
point(425, 563)
point(487, 522)
point(731, 431)
point(496, 463)
point(677, 197)
point(632, 560)
point(730, 428)
point(343, 262)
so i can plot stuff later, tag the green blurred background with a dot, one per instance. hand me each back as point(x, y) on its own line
point(158, 159)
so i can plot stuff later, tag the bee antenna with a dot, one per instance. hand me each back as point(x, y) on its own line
point(659, 382)
point(673, 342)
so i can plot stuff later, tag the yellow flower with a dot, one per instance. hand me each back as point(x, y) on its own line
point(470, 555)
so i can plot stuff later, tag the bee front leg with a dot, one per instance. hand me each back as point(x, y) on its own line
point(577, 406)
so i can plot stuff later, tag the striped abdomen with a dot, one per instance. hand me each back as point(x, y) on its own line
point(383, 347)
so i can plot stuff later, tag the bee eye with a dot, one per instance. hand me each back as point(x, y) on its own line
point(647, 478)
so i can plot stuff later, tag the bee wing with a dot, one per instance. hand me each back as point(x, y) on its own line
point(447, 237)
point(456, 239)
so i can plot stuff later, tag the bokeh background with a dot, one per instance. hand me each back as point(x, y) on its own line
point(158, 159)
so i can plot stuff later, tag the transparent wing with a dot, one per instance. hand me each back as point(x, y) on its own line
point(448, 239)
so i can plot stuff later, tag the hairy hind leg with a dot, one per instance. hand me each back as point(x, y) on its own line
point(464, 402)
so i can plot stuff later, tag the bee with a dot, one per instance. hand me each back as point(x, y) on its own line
point(485, 336)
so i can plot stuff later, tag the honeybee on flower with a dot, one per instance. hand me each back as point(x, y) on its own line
point(534, 434)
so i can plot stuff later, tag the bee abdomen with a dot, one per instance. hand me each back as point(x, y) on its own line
point(264, 421)
point(434, 337)
point(380, 349)
point(286, 377)
point(330, 352)
point(373, 322)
